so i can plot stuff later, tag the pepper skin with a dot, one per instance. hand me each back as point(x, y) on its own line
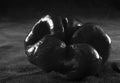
point(58, 44)
point(94, 35)
point(85, 61)
point(43, 43)
point(46, 25)
point(70, 26)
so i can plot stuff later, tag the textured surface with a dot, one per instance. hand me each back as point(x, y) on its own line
point(15, 68)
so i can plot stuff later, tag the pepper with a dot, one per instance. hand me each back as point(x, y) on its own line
point(67, 46)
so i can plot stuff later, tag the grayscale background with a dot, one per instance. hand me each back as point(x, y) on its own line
point(17, 18)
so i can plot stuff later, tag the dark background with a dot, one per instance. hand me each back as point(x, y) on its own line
point(32, 8)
